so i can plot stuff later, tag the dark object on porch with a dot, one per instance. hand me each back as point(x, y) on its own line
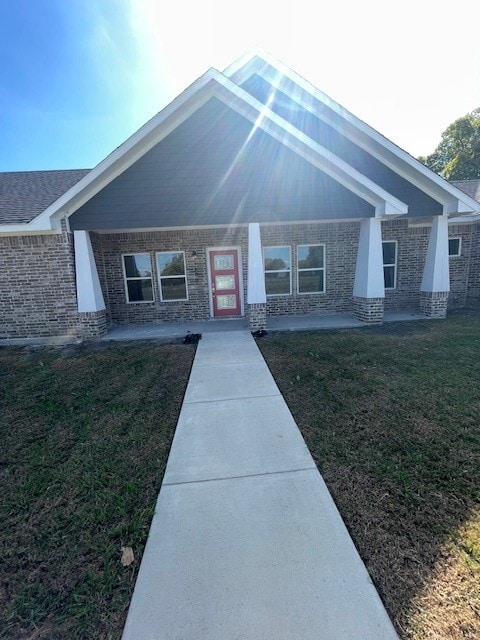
point(259, 333)
point(192, 338)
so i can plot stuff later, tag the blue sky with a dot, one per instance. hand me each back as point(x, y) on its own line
point(77, 77)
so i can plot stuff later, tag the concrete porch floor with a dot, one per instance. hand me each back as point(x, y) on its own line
point(167, 330)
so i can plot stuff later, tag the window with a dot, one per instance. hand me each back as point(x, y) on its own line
point(172, 276)
point(390, 264)
point(311, 268)
point(137, 270)
point(454, 247)
point(277, 271)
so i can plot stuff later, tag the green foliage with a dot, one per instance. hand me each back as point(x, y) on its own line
point(457, 157)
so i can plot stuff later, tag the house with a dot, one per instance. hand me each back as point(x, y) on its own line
point(252, 194)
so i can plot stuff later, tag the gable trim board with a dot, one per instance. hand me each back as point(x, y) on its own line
point(270, 185)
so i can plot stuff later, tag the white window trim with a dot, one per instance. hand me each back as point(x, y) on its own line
point(125, 278)
point(323, 268)
point(160, 278)
point(392, 264)
point(279, 246)
point(455, 255)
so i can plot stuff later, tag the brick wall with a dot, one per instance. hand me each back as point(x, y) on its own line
point(108, 254)
point(37, 284)
point(341, 240)
point(412, 244)
point(473, 282)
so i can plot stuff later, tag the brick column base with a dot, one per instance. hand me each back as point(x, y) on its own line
point(369, 310)
point(257, 316)
point(434, 305)
point(93, 324)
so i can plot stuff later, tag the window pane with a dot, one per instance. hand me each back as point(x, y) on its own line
point(224, 282)
point(174, 289)
point(226, 302)
point(311, 281)
point(171, 264)
point(310, 257)
point(138, 266)
point(454, 247)
point(277, 283)
point(223, 262)
point(389, 277)
point(389, 252)
point(140, 290)
point(276, 258)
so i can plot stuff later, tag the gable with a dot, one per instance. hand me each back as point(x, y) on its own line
point(217, 168)
point(419, 203)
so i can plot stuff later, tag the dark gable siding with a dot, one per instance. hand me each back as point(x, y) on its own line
point(420, 204)
point(213, 170)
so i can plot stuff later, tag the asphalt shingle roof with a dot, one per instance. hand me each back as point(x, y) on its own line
point(470, 187)
point(25, 194)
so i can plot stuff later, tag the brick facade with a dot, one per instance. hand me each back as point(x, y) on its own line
point(434, 305)
point(37, 277)
point(257, 316)
point(37, 281)
point(368, 310)
point(194, 242)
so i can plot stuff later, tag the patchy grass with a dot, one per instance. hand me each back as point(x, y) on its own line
point(85, 437)
point(392, 418)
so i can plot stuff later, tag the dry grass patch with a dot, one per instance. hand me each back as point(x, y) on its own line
point(85, 438)
point(392, 418)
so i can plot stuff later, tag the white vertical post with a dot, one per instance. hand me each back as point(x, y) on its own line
point(255, 276)
point(89, 292)
point(436, 273)
point(369, 281)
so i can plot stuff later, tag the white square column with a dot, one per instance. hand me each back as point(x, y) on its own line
point(436, 273)
point(91, 305)
point(369, 287)
point(256, 296)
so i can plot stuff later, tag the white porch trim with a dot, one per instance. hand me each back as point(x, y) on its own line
point(436, 273)
point(89, 292)
point(369, 281)
point(256, 276)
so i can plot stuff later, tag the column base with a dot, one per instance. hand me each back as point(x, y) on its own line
point(93, 324)
point(434, 304)
point(257, 316)
point(368, 310)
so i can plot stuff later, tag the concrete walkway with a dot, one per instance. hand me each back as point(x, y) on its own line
point(246, 542)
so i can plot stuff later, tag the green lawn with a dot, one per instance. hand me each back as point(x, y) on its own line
point(85, 435)
point(392, 418)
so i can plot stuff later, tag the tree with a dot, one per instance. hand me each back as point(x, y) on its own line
point(457, 157)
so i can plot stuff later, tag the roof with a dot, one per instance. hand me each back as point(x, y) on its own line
point(470, 187)
point(25, 194)
point(38, 201)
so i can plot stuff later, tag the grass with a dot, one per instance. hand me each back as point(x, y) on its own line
point(391, 416)
point(85, 436)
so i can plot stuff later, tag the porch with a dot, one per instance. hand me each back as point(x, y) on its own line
point(173, 330)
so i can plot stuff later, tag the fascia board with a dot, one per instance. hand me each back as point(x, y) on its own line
point(362, 134)
point(127, 153)
point(267, 120)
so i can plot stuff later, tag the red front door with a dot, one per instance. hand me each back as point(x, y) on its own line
point(225, 282)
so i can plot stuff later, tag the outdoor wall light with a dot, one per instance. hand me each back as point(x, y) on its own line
point(194, 254)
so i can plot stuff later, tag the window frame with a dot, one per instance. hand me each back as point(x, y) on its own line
point(289, 270)
point(160, 277)
point(391, 264)
point(127, 278)
point(455, 255)
point(323, 268)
